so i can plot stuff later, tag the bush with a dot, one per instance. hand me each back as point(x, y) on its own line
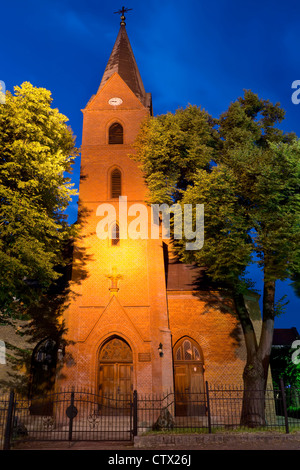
point(293, 412)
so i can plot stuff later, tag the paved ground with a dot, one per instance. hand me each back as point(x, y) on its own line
point(245, 441)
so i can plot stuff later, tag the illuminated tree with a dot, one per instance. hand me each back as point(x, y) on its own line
point(36, 153)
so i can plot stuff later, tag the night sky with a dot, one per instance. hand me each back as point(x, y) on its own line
point(192, 51)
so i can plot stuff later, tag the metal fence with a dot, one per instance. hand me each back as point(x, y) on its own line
point(5, 406)
point(84, 415)
point(218, 408)
point(67, 415)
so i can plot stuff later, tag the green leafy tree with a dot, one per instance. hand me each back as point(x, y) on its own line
point(37, 149)
point(170, 149)
point(251, 201)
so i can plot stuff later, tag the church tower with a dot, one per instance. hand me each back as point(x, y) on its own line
point(117, 322)
point(138, 318)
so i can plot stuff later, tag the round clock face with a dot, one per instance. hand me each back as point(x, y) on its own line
point(115, 101)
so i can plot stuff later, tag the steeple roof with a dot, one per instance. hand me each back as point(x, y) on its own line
point(123, 62)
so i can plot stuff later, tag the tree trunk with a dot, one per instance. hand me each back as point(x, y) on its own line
point(253, 409)
point(258, 357)
point(266, 339)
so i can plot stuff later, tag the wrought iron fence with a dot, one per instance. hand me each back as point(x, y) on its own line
point(66, 416)
point(178, 411)
point(83, 415)
point(219, 408)
point(5, 406)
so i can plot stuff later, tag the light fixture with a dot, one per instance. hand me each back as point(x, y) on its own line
point(160, 350)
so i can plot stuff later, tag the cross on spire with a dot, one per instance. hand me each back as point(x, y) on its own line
point(122, 13)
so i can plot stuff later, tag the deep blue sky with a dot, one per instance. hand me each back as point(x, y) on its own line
point(192, 51)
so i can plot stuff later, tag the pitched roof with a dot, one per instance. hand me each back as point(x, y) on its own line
point(123, 62)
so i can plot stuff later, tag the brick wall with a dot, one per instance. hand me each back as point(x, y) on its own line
point(202, 317)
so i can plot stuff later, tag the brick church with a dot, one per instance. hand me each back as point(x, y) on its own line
point(138, 319)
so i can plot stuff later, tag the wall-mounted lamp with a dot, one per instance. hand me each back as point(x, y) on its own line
point(160, 350)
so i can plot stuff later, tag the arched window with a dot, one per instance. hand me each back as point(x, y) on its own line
point(115, 134)
point(115, 183)
point(188, 350)
point(115, 235)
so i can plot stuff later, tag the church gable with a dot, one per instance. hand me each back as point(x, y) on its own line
point(114, 95)
point(114, 319)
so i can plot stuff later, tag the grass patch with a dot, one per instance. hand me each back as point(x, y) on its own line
point(223, 430)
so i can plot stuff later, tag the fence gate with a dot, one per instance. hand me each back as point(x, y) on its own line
point(73, 415)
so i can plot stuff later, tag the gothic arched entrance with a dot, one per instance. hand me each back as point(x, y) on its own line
point(115, 366)
point(189, 378)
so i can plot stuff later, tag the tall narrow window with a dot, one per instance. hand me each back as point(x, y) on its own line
point(115, 235)
point(115, 184)
point(115, 134)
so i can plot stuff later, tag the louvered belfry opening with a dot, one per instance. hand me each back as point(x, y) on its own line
point(115, 134)
point(116, 190)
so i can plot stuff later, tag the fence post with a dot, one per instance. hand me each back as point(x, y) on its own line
point(9, 421)
point(286, 420)
point(208, 408)
point(71, 413)
point(135, 413)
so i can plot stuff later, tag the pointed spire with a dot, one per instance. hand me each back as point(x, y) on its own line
point(123, 62)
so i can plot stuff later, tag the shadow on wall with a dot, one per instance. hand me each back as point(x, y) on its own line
point(35, 347)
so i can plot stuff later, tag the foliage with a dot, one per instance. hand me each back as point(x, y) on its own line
point(37, 151)
point(266, 164)
point(245, 171)
point(227, 246)
point(170, 149)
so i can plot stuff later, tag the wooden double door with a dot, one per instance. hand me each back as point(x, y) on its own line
point(115, 375)
point(115, 380)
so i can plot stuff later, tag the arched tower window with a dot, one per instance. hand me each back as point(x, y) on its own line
point(115, 183)
point(115, 235)
point(115, 134)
